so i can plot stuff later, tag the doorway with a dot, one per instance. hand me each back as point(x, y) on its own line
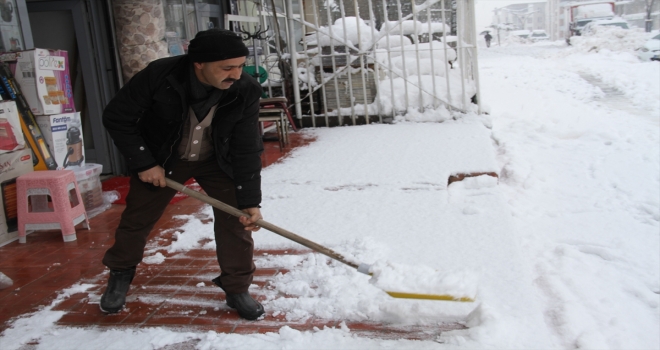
point(79, 27)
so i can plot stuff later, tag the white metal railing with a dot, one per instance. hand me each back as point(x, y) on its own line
point(342, 63)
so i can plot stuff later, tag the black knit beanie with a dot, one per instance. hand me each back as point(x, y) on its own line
point(216, 45)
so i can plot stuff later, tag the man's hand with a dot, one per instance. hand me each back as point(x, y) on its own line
point(154, 176)
point(249, 223)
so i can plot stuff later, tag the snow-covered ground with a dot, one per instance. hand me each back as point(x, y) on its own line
point(565, 246)
point(580, 171)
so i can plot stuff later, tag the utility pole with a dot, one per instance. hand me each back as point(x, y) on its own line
point(550, 19)
point(497, 14)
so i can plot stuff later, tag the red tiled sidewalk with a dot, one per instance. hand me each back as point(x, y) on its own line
point(164, 294)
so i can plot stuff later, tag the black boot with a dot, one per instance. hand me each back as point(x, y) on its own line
point(114, 297)
point(247, 307)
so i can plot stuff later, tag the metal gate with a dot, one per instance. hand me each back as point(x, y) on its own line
point(361, 61)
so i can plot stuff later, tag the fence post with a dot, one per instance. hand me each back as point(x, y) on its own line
point(294, 58)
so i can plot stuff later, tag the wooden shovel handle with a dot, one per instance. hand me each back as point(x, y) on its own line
point(265, 224)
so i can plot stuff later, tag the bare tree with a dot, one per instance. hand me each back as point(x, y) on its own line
point(649, 21)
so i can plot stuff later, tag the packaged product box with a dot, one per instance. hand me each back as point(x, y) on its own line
point(9, 90)
point(11, 135)
point(12, 165)
point(63, 134)
point(88, 178)
point(43, 76)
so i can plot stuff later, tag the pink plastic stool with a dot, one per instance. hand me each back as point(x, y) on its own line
point(65, 210)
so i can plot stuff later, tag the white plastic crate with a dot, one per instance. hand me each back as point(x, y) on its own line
point(89, 185)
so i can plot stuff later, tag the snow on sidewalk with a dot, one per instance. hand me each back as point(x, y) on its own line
point(565, 245)
point(379, 193)
point(583, 182)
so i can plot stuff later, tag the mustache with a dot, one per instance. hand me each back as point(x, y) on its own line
point(230, 80)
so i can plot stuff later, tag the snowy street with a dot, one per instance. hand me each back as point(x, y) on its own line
point(564, 245)
point(582, 178)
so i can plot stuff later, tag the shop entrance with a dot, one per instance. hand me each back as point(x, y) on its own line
point(78, 26)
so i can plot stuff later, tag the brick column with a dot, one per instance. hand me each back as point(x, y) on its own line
point(140, 26)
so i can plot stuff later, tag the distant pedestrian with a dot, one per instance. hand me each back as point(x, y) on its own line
point(488, 38)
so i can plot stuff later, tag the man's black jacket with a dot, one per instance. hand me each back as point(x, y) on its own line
point(145, 120)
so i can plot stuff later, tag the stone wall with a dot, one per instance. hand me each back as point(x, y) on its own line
point(140, 27)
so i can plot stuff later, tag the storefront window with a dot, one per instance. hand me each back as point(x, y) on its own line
point(184, 18)
point(209, 14)
point(10, 27)
point(180, 22)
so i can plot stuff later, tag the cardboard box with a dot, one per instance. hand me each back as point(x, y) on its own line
point(12, 165)
point(88, 178)
point(63, 134)
point(43, 76)
point(11, 135)
point(41, 156)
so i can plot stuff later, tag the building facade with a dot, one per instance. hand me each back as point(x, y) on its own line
point(636, 11)
point(528, 16)
point(108, 41)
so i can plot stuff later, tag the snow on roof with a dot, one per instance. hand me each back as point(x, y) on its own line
point(593, 10)
point(609, 21)
point(350, 31)
point(354, 31)
point(574, 3)
point(411, 27)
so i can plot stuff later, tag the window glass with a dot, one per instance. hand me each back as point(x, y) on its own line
point(10, 27)
point(184, 18)
point(180, 23)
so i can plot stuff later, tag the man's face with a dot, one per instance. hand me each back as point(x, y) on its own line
point(220, 74)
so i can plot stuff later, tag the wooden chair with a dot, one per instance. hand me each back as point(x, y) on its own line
point(278, 102)
point(277, 116)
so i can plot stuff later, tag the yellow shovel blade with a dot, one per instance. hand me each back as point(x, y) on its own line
point(428, 296)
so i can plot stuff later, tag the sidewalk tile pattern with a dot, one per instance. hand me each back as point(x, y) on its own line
point(161, 295)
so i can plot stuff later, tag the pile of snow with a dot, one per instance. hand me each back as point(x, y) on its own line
point(349, 31)
point(388, 42)
point(402, 28)
point(420, 279)
point(402, 60)
point(434, 49)
point(610, 38)
point(425, 90)
point(409, 27)
point(421, 75)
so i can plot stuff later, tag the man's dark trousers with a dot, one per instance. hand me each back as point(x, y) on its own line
point(146, 203)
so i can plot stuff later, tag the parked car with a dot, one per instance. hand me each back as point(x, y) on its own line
point(539, 35)
point(650, 51)
point(522, 34)
point(589, 28)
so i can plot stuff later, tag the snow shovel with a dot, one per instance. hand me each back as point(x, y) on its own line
point(361, 267)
